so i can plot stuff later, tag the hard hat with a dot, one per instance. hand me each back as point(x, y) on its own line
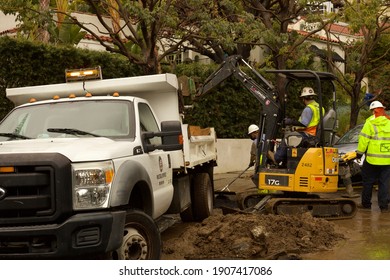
point(376, 104)
point(252, 128)
point(307, 91)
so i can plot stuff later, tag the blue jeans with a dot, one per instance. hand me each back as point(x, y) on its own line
point(370, 175)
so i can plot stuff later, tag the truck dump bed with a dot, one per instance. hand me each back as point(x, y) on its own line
point(161, 91)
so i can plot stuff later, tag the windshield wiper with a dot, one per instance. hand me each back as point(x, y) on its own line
point(14, 135)
point(71, 131)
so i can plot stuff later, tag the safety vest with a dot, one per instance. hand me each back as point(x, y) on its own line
point(374, 140)
point(311, 128)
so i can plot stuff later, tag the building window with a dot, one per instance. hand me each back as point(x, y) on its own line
point(175, 58)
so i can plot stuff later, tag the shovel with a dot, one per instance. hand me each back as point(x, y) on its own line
point(226, 189)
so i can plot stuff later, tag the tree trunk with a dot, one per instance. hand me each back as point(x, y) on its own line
point(354, 105)
point(43, 34)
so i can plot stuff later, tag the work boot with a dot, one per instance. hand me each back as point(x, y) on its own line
point(349, 192)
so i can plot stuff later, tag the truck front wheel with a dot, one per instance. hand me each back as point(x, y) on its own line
point(141, 238)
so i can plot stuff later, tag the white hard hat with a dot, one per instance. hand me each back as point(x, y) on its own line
point(307, 91)
point(376, 104)
point(252, 128)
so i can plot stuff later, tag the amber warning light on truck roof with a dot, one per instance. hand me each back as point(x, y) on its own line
point(7, 169)
point(76, 75)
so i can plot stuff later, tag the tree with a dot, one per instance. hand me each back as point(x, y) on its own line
point(62, 31)
point(147, 31)
point(32, 27)
point(286, 48)
point(37, 22)
point(223, 28)
point(215, 28)
point(369, 20)
point(43, 33)
point(236, 27)
point(132, 23)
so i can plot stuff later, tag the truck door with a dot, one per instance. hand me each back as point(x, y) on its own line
point(159, 162)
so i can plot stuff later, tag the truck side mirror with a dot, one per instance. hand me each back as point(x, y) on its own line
point(171, 136)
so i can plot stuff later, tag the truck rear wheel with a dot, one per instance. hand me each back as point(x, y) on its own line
point(202, 199)
point(202, 196)
point(141, 238)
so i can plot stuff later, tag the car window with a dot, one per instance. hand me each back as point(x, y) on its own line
point(351, 136)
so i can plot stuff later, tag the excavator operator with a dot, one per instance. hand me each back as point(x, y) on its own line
point(310, 117)
point(304, 128)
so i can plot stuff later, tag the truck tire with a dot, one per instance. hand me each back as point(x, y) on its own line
point(202, 196)
point(141, 238)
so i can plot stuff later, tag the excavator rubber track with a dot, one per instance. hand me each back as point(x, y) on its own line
point(329, 209)
point(332, 208)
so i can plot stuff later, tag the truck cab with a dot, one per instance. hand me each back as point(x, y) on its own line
point(88, 167)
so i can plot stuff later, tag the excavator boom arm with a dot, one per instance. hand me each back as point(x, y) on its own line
point(264, 92)
point(229, 68)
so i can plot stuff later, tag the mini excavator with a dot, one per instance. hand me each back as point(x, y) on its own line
point(311, 168)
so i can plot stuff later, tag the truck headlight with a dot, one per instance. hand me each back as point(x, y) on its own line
point(92, 184)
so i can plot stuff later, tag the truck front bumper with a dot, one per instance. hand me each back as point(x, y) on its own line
point(81, 235)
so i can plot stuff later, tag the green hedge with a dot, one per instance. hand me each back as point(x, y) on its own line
point(26, 63)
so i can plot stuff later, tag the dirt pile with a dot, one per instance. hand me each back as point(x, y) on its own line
point(252, 236)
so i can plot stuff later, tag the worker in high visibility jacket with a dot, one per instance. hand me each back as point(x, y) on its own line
point(374, 142)
point(310, 116)
point(305, 128)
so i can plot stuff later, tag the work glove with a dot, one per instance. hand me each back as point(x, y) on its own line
point(349, 156)
point(359, 156)
point(252, 163)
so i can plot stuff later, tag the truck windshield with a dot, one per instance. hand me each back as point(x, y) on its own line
point(104, 118)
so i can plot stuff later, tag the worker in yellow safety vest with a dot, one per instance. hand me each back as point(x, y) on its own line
point(374, 142)
point(305, 127)
point(310, 116)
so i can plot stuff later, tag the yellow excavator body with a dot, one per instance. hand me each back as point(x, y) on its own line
point(309, 170)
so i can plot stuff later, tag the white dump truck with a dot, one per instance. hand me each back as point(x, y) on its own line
point(91, 167)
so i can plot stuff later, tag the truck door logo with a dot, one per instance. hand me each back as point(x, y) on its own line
point(2, 193)
point(160, 164)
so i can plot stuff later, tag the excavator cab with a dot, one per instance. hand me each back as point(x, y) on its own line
point(323, 84)
point(311, 163)
point(311, 166)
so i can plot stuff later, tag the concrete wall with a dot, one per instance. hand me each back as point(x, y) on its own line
point(233, 155)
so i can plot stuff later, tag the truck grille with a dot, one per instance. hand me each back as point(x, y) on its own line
point(34, 188)
point(28, 192)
